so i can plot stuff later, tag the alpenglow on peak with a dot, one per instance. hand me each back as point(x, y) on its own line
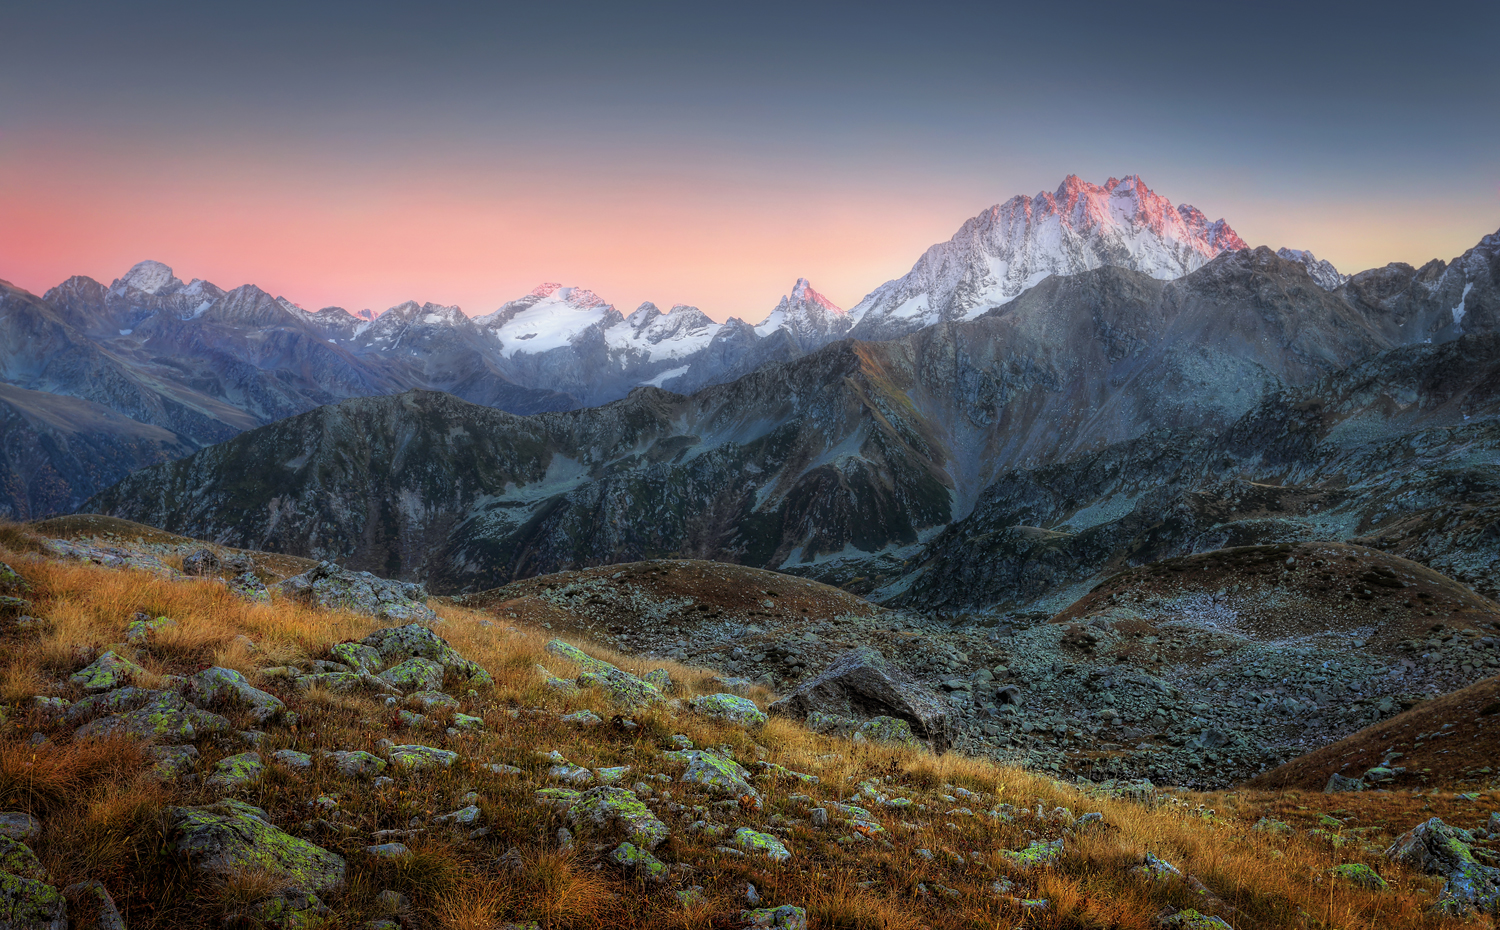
point(1016, 244)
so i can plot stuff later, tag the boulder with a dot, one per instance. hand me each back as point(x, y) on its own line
point(19, 825)
point(714, 771)
point(1340, 783)
point(357, 656)
point(356, 763)
point(785, 917)
point(414, 674)
point(224, 686)
point(887, 730)
point(172, 761)
point(11, 581)
point(623, 688)
point(764, 844)
point(638, 862)
point(251, 588)
point(154, 715)
point(414, 640)
point(412, 758)
point(236, 771)
point(229, 840)
point(619, 808)
point(31, 904)
point(109, 672)
point(330, 587)
point(292, 759)
point(729, 708)
point(16, 858)
point(289, 910)
point(1438, 849)
point(142, 628)
point(1360, 875)
point(863, 683)
point(201, 562)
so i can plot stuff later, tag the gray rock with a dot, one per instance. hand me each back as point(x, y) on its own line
point(173, 761)
point(109, 672)
point(143, 628)
point(201, 562)
point(31, 904)
point(20, 826)
point(154, 715)
point(356, 763)
point(411, 758)
point(236, 771)
point(619, 808)
point(389, 850)
point(863, 683)
point(251, 588)
point(292, 759)
point(729, 708)
point(330, 587)
point(223, 686)
point(785, 917)
point(289, 910)
point(1438, 849)
point(414, 674)
point(1341, 783)
point(227, 840)
point(397, 643)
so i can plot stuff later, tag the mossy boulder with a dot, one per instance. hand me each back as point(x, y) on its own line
point(414, 674)
point(1038, 854)
point(357, 656)
point(289, 910)
point(109, 672)
point(638, 862)
point(356, 763)
point(293, 759)
point(18, 859)
point(555, 683)
point(415, 758)
point(90, 906)
point(431, 700)
point(172, 761)
point(785, 917)
point(156, 715)
point(619, 808)
point(228, 840)
point(887, 730)
point(226, 687)
point(730, 708)
point(1357, 873)
point(660, 679)
point(752, 841)
point(19, 825)
point(624, 689)
point(1190, 919)
point(336, 682)
point(251, 588)
point(331, 587)
point(236, 771)
point(1272, 826)
point(31, 904)
point(862, 683)
point(396, 644)
point(11, 581)
point(1438, 849)
point(724, 776)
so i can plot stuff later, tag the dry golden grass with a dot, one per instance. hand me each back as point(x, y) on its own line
point(103, 814)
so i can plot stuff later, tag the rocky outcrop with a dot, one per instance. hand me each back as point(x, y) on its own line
point(862, 683)
point(1438, 849)
point(330, 587)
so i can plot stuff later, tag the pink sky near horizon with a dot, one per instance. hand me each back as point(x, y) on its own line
point(375, 233)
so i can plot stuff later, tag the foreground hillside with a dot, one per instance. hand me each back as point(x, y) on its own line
point(255, 759)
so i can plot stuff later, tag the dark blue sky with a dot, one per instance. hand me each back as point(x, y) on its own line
point(1367, 133)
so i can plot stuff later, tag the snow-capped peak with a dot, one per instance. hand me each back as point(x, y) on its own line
point(812, 319)
point(547, 318)
point(1323, 273)
point(1015, 245)
point(151, 277)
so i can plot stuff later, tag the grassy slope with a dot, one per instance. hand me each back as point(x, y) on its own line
point(102, 812)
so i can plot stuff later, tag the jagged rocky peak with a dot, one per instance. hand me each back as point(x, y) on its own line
point(1014, 245)
point(1323, 272)
point(149, 276)
point(812, 319)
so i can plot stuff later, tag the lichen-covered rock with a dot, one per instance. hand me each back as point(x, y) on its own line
point(660, 679)
point(292, 759)
point(413, 758)
point(619, 808)
point(18, 859)
point(829, 724)
point(330, 587)
point(561, 799)
point(887, 730)
point(31, 904)
point(90, 906)
point(730, 708)
point(764, 844)
point(357, 763)
point(143, 628)
point(467, 722)
point(20, 826)
point(224, 686)
point(229, 840)
point(389, 850)
point(570, 773)
point(724, 776)
point(862, 683)
point(556, 684)
point(1039, 853)
point(1438, 849)
point(11, 581)
point(201, 562)
point(638, 862)
point(624, 689)
point(107, 673)
point(236, 771)
point(1272, 826)
point(415, 641)
point(357, 656)
point(1341, 783)
point(785, 917)
point(152, 715)
point(1190, 919)
point(290, 910)
point(772, 770)
point(1155, 869)
point(172, 761)
point(414, 674)
point(431, 700)
point(248, 586)
point(583, 718)
point(1357, 873)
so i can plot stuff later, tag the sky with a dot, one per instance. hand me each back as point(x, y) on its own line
point(363, 154)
